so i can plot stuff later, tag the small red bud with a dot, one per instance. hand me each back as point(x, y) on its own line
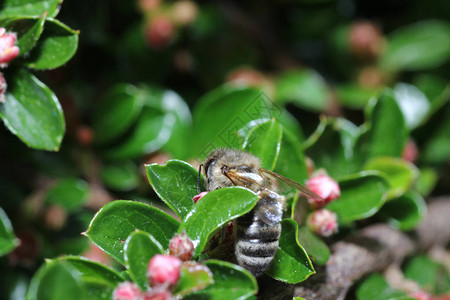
point(323, 222)
point(127, 291)
point(199, 196)
point(163, 269)
point(55, 217)
point(3, 87)
point(85, 135)
point(410, 152)
point(158, 293)
point(325, 187)
point(8, 51)
point(421, 295)
point(159, 32)
point(181, 246)
point(366, 40)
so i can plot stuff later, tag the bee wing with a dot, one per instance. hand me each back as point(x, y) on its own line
point(307, 192)
point(270, 207)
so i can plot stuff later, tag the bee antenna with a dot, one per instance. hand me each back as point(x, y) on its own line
point(199, 178)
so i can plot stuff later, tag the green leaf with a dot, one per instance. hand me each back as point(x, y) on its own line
point(28, 30)
point(56, 46)
point(362, 195)
point(214, 210)
point(264, 142)
point(30, 7)
point(386, 134)
point(420, 46)
point(413, 104)
point(70, 193)
point(399, 173)
point(55, 281)
point(32, 112)
point(175, 183)
point(426, 181)
point(291, 263)
point(150, 133)
point(375, 287)
point(220, 114)
point(116, 113)
point(331, 146)
point(436, 89)
point(291, 160)
point(305, 88)
point(193, 277)
point(7, 239)
point(355, 96)
point(430, 275)
point(112, 225)
point(405, 212)
point(313, 245)
point(98, 281)
point(121, 175)
point(139, 248)
point(230, 282)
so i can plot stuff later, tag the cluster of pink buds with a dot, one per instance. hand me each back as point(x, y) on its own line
point(8, 50)
point(325, 187)
point(323, 222)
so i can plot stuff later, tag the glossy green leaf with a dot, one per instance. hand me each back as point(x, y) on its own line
point(375, 287)
point(98, 280)
point(291, 263)
point(116, 112)
point(305, 88)
point(405, 212)
point(331, 146)
point(355, 96)
point(193, 277)
point(291, 160)
point(70, 193)
point(175, 183)
point(55, 47)
point(214, 210)
point(264, 142)
point(426, 181)
point(7, 239)
point(55, 281)
point(314, 246)
point(230, 282)
point(399, 173)
point(32, 112)
point(413, 104)
point(139, 248)
point(29, 7)
point(430, 275)
point(150, 133)
point(362, 195)
point(121, 175)
point(423, 45)
point(220, 114)
point(112, 225)
point(386, 134)
point(28, 30)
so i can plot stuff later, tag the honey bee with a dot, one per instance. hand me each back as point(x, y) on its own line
point(258, 232)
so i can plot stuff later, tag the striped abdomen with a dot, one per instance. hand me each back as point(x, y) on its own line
point(257, 241)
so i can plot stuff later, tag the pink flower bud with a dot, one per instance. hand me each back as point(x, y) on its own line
point(325, 187)
point(127, 291)
point(159, 32)
point(421, 295)
point(3, 87)
point(410, 152)
point(323, 222)
point(366, 40)
point(181, 246)
point(163, 269)
point(158, 294)
point(199, 196)
point(8, 51)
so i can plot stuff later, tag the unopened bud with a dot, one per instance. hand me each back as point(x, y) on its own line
point(55, 217)
point(85, 135)
point(158, 293)
point(159, 32)
point(199, 196)
point(181, 246)
point(148, 5)
point(163, 269)
point(366, 40)
point(184, 12)
point(323, 222)
point(325, 187)
point(127, 291)
point(8, 51)
point(421, 295)
point(3, 87)
point(410, 152)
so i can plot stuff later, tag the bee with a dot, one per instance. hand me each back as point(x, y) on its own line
point(258, 232)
